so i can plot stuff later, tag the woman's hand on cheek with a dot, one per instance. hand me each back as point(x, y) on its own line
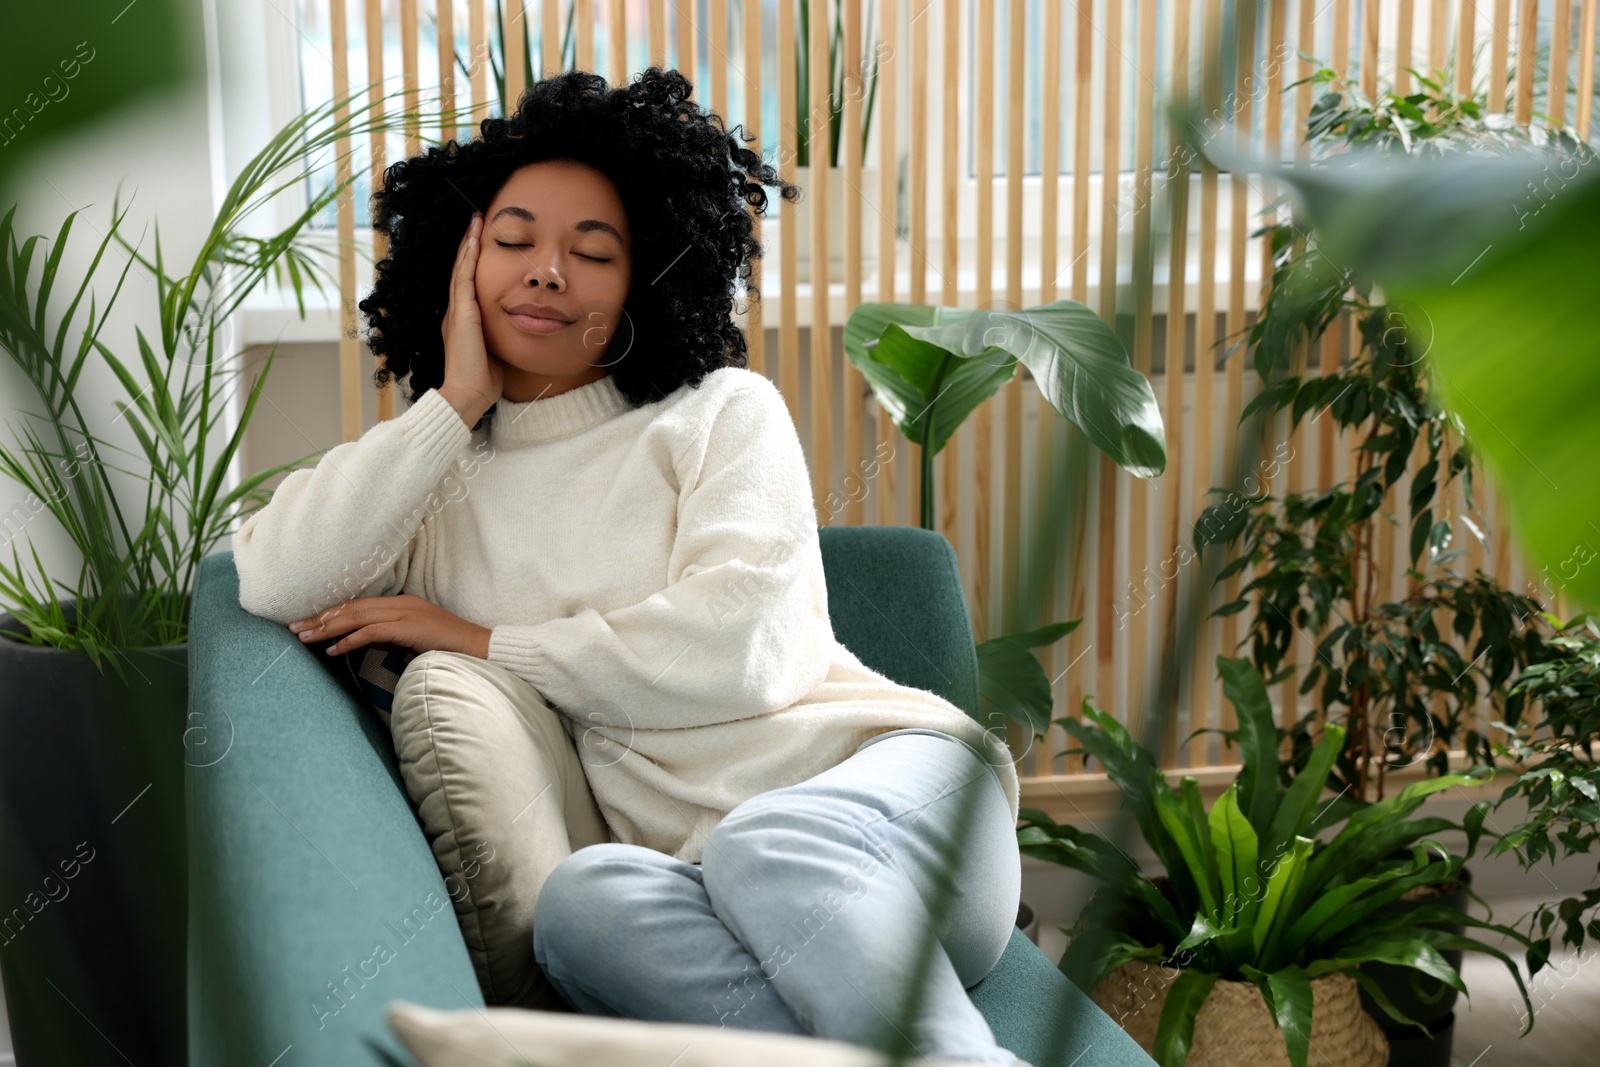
point(405, 620)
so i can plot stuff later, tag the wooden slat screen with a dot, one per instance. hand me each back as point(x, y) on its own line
point(1057, 99)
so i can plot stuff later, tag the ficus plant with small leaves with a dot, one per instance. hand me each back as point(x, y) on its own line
point(1498, 250)
point(1548, 743)
point(1404, 676)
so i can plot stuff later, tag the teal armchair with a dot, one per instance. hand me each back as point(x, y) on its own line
point(305, 850)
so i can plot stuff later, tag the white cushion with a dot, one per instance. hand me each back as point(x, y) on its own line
point(515, 1037)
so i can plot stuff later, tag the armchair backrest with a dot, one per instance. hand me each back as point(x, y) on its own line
point(894, 596)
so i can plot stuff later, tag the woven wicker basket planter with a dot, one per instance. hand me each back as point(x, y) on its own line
point(1234, 1028)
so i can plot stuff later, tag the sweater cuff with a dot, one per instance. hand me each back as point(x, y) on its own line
point(434, 428)
point(516, 648)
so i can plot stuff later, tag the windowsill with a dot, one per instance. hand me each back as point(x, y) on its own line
point(268, 317)
point(272, 316)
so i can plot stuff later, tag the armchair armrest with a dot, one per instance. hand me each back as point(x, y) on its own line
point(1034, 1010)
point(314, 897)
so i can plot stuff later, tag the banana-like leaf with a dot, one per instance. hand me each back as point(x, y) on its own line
point(1014, 683)
point(1081, 368)
point(927, 390)
point(915, 354)
point(1045, 635)
point(1175, 1030)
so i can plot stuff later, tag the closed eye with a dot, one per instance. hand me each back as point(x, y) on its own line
point(596, 259)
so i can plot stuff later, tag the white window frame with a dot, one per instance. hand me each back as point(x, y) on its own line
point(267, 30)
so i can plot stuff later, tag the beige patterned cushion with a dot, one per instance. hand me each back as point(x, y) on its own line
point(375, 670)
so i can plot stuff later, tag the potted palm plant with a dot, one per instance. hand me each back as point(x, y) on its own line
point(1249, 947)
point(96, 681)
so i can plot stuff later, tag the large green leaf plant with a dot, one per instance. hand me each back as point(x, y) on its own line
point(1276, 884)
point(930, 367)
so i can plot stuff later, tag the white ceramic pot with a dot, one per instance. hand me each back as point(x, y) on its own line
point(836, 193)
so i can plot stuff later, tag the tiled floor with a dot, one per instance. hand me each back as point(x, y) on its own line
point(1566, 1007)
point(1565, 997)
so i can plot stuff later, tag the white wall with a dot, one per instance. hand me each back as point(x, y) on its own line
point(162, 153)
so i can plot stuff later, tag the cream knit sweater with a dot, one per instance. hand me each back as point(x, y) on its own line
point(654, 573)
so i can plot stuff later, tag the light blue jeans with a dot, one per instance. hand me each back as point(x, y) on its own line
point(809, 909)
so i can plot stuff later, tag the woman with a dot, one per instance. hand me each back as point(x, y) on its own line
point(749, 823)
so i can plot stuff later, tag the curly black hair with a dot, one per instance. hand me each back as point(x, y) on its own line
point(683, 179)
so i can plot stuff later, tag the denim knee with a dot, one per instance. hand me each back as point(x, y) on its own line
point(574, 906)
point(743, 842)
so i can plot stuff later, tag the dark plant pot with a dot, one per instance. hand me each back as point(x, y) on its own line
point(1425, 999)
point(1028, 921)
point(1409, 1046)
point(93, 870)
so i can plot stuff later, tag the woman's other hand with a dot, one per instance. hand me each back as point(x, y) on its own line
point(473, 378)
point(405, 620)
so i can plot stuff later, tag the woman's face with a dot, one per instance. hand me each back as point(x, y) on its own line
point(555, 235)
